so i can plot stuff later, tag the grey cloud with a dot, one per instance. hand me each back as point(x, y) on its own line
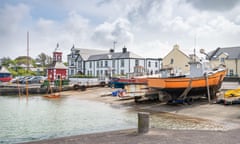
point(11, 16)
point(102, 2)
point(213, 5)
point(141, 9)
point(109, 32)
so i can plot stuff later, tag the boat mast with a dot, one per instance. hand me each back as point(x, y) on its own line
point(194, 50)
point(27, 52)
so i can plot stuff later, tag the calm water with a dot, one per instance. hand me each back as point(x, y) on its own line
point(42, 118)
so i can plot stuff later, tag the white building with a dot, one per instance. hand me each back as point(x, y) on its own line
point(110, 63)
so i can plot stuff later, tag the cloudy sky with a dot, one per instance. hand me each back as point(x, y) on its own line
point(149, 28)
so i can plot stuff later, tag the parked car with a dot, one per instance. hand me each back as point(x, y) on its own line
point(24, 79)
point(17, 78)
point(34, 79)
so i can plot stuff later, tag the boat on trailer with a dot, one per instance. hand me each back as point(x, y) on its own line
point(202, 80)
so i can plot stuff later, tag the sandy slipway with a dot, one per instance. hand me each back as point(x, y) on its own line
point(212, 123)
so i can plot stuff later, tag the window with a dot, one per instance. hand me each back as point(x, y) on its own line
point(171, 62)
point(149, 64)
point(106, 63)
point(72, 62)
point(72, 72)
point(90, 64)
point(97, 72)
point(222, 60)
point(113, 63)
point(106, 72)
point(101, 63)
point(122, 72)
point(231, 72)
point(136, 62)
point(122, 62)
point(97, 64)
point(156, 64)
point(79, 64)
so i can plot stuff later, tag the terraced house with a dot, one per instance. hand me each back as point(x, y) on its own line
point(229, 56)
point(110, 63)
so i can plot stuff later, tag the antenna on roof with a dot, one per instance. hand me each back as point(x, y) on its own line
point(114, 43)
point(195, 43)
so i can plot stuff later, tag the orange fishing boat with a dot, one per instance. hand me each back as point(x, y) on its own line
point(201, 80)
point(53, 95)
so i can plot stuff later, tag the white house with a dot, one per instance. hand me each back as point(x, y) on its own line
point(110, 63)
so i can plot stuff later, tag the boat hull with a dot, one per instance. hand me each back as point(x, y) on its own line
point(121, 82)
point(55, 95)
point(177, 85)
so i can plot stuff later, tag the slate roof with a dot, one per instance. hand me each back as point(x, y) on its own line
point(232, 52)
point(86, 53)
point(114, 55)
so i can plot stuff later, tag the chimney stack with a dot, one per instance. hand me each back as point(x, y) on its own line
point(111, 51)
point(124, 50)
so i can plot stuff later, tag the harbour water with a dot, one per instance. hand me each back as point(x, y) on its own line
point(39, 118)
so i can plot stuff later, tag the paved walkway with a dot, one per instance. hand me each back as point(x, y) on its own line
point(155, 136)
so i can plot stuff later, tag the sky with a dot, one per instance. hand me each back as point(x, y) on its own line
point(149, 28)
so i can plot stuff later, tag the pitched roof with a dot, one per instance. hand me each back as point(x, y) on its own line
point(60, 65)
point(3, 69)
point(57, 65)
point(176, 48)
point(232, 52)
point(114, 55)
point(86, 53)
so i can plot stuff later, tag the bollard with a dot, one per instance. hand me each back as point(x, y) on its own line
point(143, 122)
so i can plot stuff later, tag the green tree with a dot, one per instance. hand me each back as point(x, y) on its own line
point(42, 59)
point(65, 63)
point(24, 60)
point(6, 61)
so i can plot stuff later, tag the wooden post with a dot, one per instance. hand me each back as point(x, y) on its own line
point(27, 89)
point(208, 92)
point(143, 122)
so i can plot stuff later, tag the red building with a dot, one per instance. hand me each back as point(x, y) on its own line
point(57, 70)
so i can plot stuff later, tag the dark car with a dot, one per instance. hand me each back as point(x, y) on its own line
point(22, 80)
